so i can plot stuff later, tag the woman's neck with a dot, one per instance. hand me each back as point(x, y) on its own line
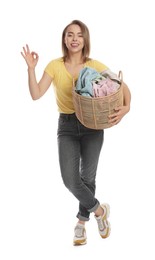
point(74, 60)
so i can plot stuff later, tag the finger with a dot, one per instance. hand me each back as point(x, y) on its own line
point(116, 113)
point(25, 51)
point(114, 122)
point(117, 108)
point(112, 116)
point(114, 119)
point(111, 121)
point(23, 54)
point(27, 48)
point(35, 55)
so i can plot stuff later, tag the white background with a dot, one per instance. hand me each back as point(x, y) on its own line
point(37, 213)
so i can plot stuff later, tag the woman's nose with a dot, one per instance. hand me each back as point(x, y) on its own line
point(74, 38)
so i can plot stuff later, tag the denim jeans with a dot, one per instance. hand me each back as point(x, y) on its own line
point(79, 149)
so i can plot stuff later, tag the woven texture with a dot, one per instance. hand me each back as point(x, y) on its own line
point(93, 112)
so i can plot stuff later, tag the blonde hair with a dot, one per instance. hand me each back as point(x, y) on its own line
point(86, 37)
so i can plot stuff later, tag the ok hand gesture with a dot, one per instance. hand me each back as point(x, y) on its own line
point(31, 58)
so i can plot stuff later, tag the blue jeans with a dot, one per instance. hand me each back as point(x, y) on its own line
point(79, 149)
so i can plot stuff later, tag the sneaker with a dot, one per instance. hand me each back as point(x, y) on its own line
point(79, 235)
point(103, 224)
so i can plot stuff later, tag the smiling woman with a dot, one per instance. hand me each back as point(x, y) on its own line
point(74, 42)
point(79, 147)
point(76, 34)
point(73, 39)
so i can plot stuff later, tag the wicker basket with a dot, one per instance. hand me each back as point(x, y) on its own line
point(93, 112)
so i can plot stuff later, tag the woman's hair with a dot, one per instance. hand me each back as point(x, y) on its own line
point(86, 37)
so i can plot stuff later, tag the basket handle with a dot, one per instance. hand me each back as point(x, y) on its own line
point(120, 75)
point(73, 83)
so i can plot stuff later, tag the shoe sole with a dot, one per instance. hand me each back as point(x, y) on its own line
point(79, 242)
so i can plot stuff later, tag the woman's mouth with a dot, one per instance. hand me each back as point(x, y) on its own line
point(74, 44)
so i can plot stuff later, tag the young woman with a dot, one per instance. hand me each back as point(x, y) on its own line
point(78, 163)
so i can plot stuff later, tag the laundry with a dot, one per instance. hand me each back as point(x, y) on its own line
point(94, 84)
point(109, 84)
point(84, 83)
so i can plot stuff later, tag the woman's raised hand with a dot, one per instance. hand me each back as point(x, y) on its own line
point(31, 58)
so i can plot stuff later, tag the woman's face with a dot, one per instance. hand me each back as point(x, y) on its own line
point(74, 39)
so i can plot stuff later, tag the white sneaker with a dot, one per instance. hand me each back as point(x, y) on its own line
point(80, 237)
point(103, 223)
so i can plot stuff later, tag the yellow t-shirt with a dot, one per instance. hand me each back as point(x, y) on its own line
point(63, 82)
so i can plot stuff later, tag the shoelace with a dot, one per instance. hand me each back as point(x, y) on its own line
point(79, 231)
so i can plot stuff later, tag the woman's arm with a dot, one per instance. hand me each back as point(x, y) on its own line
point(37, 90)
point(127, 96)
point(121, 111)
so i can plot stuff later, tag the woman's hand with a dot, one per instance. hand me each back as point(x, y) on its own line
point(31, 58)
point(119, 113)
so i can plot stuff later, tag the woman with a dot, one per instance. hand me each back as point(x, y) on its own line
point(78, 163)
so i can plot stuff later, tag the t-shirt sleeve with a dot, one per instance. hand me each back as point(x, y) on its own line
point(99, 66)
point(50, 69)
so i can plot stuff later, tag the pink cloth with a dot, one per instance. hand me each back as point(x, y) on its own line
point(104, 88)
point(107, 85)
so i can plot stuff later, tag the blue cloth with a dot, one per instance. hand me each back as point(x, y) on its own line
point(84, 82)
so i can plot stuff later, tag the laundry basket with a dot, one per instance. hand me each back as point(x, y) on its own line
point(93, 112)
